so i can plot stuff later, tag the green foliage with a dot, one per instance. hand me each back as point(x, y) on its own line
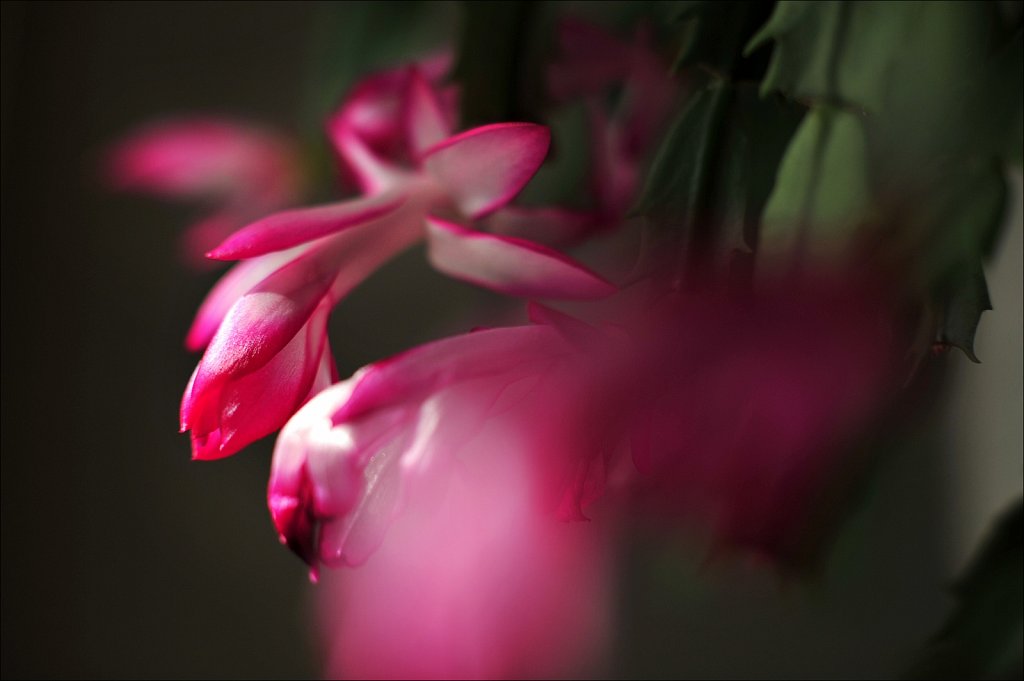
point(716, 166)
point(983, 638)
point(715, 32)
point(821, 195)
point(679, 175)
point(960, 307)
point(915, 106)
point(834, 52)
point(965, 224)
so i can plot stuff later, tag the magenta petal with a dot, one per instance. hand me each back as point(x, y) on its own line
point(373, 174)
point(252, 406)
point(510, 266)
point(350, 538)
point(260, 323)
point(424, 116)
point(265, 309)
point(261, 402)
point(414, 374)
point(477, 582)
point(205, 234)
point(228, 289)
point(289, 498)
point(577, 332)
point(290, 492)
point(324, 476)
point(326, 373)
point(242, 368)
point(186, 409)
point(293, 227)
point(204, 157)
point(484, 168)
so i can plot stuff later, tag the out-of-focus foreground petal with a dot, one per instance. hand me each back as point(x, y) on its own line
point(474, 582)
point(748, 409)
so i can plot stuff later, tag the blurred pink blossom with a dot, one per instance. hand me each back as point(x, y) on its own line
point(478, 584)
point(445, 475)
point(239, 170)
point(592, 62)
point(748, 409)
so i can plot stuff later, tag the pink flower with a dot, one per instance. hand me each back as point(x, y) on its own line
point(376, 113)
point(592, 62)
point(242, 170)
point(385, 423)
point(441, 473)
point(421, 467)
point(330, 249)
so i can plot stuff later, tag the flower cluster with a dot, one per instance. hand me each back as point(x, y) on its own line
point(447, 474)
point(264, 325)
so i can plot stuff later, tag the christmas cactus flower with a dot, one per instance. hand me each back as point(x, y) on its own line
point(435, 474)
point(344, 462)
point(375, 113)
point(308, 259)
point(803, 230)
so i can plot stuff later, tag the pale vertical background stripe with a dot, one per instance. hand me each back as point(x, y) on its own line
point(987, 400)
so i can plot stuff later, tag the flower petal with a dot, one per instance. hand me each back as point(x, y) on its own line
point(267, 317)
point(424, 116)
point(575, 331)
point(318, 473)
point(204, 157)
point(374, 114)
point(373, 174)
point(293, 227)
point(206, 233)
point(256, 404)
point(266, 322)
point(511, 266)
point(484, 168)
point(228, 289)
point(416, 373)
point(474, 582)
point(326, 371)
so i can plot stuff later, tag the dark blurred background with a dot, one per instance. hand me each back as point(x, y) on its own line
point(123, 558)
